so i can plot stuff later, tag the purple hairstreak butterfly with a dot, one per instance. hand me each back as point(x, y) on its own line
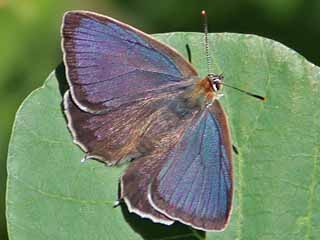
point(133, 98)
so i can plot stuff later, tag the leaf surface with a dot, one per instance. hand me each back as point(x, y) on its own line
point(52, 195)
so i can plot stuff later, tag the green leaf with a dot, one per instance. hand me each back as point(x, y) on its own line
point(51, 195)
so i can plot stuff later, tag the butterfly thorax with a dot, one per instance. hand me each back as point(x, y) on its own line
point(205, 91)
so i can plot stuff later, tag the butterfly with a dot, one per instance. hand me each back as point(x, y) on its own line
point(133, 98)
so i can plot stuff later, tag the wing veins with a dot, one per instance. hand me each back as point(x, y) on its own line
point(187, 195)
point(127, 40)
point(121, 75)
point(203, 186)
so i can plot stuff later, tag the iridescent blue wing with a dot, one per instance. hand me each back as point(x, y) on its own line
point(194, 185)
point(110, 64)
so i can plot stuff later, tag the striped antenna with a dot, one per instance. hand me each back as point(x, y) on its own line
point(206, 44)
point(246, 92)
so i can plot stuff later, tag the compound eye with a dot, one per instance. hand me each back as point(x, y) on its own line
point(218, 85)
point(215, 81)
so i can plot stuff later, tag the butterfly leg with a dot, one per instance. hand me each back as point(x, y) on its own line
point(117, 203)
point(235, 149)
point(85, 158)
point(189, 52)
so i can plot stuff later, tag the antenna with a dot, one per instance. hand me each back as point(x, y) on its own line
point(206, 44)
point(246, 92)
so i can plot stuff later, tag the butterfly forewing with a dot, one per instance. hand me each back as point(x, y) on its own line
point(110, 64)
point(119, 77)
point(194, 185)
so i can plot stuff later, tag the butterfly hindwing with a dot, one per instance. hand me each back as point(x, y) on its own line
point(110, 64)
point(124, 133)
point(194, 185)
point(137, 177)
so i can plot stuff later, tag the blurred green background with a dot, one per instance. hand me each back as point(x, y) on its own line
point(30, 40)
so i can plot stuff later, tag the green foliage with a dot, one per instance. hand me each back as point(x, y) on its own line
point(51, 195)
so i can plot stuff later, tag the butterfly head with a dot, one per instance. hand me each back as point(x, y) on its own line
point(215, 82)
point(206, 90)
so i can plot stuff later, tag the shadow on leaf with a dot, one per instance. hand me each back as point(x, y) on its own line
point(61, 76)
point(152, 231)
